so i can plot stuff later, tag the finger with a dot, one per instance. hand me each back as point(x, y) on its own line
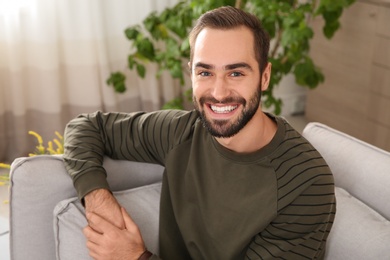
point(91, 235)
point(129, 223)
point(99, 223)
point(93, 249)
point(134, 231)
point(93, 221)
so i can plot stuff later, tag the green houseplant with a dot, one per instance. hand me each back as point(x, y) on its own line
point(162, 39)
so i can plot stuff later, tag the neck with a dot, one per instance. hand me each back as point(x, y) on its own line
point(257, 133)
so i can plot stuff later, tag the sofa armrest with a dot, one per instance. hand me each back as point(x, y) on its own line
point(39, 183)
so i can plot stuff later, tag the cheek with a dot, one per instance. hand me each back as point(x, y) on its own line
point(195, 89)
point(198, 87)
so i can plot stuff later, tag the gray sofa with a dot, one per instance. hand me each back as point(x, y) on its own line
point(46, 218)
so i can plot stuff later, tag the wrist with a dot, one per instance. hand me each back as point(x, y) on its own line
point(96, 198)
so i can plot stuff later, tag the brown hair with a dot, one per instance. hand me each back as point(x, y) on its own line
point(229, 17)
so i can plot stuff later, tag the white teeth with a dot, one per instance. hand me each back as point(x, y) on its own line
point(225, 109)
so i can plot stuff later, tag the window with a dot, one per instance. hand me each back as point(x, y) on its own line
point(10, 8)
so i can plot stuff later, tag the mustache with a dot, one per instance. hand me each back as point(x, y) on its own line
point(228, 100)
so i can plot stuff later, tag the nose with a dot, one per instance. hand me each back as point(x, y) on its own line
point(220, 89)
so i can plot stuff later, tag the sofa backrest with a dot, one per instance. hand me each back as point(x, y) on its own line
point(361, 229)
point(358, 167)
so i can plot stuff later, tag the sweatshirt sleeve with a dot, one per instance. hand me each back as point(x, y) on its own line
point(88, 138)
point(300, 229)
point(143, 137)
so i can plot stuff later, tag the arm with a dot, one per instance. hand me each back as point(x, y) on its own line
point(103, 203)
point(301, 228)
point(87, 139)
point(91, 136)
point(138, 137)
point(143, 137)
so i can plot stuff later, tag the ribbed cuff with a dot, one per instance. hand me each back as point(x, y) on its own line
point(90, 181)
point(145, 255)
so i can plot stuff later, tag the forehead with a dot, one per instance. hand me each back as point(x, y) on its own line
point(219, 47)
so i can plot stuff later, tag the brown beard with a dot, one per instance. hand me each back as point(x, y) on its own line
point(226, 128)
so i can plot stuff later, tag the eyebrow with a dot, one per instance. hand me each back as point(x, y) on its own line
point(242, 65)
point(233, 66)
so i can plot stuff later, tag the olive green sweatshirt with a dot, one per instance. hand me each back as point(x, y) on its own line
point(277, 202)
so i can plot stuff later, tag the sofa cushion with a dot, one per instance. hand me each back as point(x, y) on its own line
point(143, 205)
point(358, 232)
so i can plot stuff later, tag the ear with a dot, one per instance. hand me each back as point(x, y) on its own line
point(266, 77)
point(190, 67)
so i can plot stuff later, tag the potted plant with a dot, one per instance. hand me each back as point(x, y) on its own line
point(162, 39)
point(55, 146)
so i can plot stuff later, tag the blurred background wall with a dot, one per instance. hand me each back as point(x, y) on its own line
point(355, 97)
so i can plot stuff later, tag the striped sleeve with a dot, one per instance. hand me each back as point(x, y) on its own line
point(306, 204)
point(143, 137)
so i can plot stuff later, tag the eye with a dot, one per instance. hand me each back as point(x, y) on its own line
point(204, 74)
point(236, 74)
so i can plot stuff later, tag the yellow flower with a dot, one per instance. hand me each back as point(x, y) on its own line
point(40, 148)
point(5, 166)
point(59, 143)
point(50, 147)
point(59, 136)
point(60, 147)
point(4, 180)
point(39, 138)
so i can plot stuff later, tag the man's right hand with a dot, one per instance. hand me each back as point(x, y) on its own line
point(104, 204)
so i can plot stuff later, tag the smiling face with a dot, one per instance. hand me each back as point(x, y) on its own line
point(226, 80)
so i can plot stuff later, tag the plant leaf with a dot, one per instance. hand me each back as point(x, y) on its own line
point(132, 32)
point(141, 70)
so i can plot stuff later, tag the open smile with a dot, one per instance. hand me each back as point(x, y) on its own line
point(223, 109)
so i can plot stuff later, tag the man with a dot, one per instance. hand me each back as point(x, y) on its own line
point(238, 183)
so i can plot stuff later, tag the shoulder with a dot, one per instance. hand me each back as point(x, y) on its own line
point(293, 148)
point(296, 160)
point(174, 119)
point(176, 125)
